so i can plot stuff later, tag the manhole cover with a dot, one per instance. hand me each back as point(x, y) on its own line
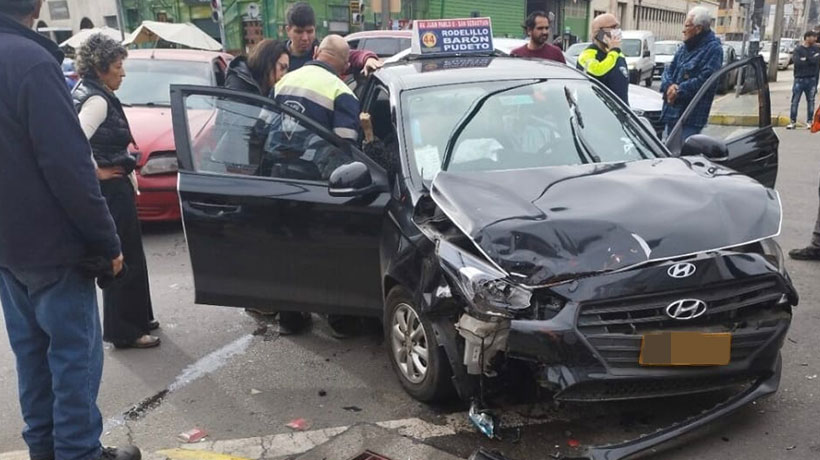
point(367, 455)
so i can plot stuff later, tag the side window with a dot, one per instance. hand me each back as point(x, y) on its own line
point(736, 105)
point(250, 138)
point(383, 129)
point(354, 44)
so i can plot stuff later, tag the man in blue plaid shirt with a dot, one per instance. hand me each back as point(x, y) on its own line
point(693, 64)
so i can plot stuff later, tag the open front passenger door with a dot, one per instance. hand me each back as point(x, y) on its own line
point(262, 229)
point(741, 118)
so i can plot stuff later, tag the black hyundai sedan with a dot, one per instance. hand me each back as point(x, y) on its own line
point(518, 213)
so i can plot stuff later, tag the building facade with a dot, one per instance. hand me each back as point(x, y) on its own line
point(60, 19)
point(664, 18)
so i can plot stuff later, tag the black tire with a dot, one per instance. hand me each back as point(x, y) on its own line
point(437, 383)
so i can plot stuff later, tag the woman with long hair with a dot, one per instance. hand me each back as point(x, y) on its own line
point(128, 316)
point(266, 64)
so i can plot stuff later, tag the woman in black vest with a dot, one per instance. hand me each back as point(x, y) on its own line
point(128, 316)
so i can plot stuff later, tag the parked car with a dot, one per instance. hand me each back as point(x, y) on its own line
point(783, 59)
point(787, 45)
point(639, 48)
point(520, 218)
point(145, 94)
point(384, 43)
point(664, 53)
point(571, 54)
point(729, 79)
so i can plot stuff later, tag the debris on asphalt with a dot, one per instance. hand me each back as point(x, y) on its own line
point(193, 435)
point(811, 377)
point(483, 419)
point(352, 408)
point(254, 391)
point(725, 439)
point(792, 340)
point(298, 424)
point(322, 393)
point(574, 443)
point(791, 447)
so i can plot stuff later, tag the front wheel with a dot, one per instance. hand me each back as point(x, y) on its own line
point(417, 360)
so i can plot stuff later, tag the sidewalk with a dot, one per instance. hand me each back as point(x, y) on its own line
point(354, 442)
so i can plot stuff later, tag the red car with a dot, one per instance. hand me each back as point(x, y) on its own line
point(145, 94)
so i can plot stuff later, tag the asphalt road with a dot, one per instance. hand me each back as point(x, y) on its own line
point(234, 376)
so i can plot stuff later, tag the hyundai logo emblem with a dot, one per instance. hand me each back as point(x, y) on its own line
point(686, 309)
point(681, 270)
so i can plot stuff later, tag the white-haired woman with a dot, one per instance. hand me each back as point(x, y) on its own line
point(128, 316)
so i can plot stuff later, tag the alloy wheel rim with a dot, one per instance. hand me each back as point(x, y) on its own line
point(409, 344)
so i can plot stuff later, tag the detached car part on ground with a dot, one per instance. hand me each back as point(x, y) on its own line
point(492, 235)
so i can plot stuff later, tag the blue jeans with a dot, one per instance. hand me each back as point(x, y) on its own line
point(807, 86)
point(54, 329)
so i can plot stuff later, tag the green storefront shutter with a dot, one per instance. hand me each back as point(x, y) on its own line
point(507, 16)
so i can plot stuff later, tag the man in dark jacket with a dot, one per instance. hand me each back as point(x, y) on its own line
point(603, 59)
point(806, 62)
point(693, 64)
point(302, 43)
point(52, 220)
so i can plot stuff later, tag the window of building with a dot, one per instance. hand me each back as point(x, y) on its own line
point(339, 13)
point(111, 21)
point(58, 10)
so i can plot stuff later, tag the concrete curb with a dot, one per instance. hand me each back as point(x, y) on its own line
point(745, 120)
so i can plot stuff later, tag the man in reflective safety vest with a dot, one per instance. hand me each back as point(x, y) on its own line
point(603, 59)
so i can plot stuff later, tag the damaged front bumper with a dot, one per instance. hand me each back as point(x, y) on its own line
point(764, 386)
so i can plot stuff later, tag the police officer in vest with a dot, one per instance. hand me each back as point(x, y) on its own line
point(603, 59)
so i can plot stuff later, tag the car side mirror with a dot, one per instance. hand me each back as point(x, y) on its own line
point(352, 179)
point(701, 144)
point(645, 53)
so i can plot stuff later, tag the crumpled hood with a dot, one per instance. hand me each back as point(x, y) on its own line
point(548, 224)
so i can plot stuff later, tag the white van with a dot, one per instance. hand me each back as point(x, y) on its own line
point(639, 48)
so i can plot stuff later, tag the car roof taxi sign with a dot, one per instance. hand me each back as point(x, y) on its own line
point(449, 37)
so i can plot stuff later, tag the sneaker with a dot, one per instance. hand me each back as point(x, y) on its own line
point(807, 253)
point(120, 453)
point(146, 341)
point(808, 126)
point(790, 125)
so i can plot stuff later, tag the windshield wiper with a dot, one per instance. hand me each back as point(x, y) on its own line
point(576, 123)
point(468, 117)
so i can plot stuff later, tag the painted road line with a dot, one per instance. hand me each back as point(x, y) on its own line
point(187, 454)
point(203, 366)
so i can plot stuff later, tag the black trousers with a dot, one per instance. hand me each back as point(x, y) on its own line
point(127, 301)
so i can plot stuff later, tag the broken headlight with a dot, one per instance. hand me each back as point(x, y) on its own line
point(485, 287)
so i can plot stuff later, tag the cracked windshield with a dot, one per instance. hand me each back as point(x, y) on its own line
point(506, 126)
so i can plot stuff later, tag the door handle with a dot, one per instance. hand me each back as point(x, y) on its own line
point(215, 208)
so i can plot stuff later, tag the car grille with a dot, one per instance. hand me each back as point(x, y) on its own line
point(746, 309)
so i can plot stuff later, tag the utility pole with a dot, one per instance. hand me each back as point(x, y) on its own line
point(777, 31)
point(386, 14)
point(218, 17)
point(806, 6)
point(121, 19)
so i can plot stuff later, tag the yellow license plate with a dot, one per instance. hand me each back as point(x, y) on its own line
point(686, 349)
